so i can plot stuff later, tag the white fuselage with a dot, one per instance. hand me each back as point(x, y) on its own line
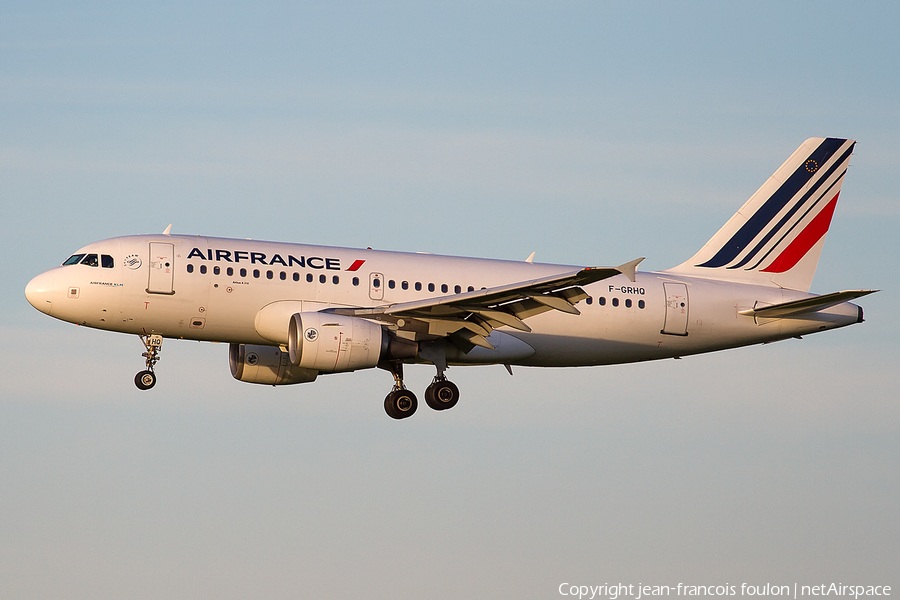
point(213, 289)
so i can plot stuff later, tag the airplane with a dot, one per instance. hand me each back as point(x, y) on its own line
point(291, 312)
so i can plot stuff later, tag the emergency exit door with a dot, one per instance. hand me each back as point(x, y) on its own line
point(376, 286)
point(162, 268)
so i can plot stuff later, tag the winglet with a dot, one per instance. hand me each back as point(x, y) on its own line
point(530, 258)
point(629, 268)
point(168, 229)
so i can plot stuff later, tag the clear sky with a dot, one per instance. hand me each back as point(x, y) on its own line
point(591, 133)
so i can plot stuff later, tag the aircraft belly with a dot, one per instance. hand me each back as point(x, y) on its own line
point(508, 349)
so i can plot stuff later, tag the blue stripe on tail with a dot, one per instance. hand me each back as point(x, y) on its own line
point(776, 202)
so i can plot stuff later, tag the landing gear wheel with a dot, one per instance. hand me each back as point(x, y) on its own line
point(442, 394)
point(145, 380)
point(400, 404)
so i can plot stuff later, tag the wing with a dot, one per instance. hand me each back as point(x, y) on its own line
point(467, 319)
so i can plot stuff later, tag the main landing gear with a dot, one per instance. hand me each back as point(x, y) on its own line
point(441, 394)
point(402, 403)
point(146, 379)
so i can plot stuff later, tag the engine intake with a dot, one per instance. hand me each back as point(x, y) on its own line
point(267, 365)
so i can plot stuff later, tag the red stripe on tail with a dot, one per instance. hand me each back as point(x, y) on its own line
point(803, 242)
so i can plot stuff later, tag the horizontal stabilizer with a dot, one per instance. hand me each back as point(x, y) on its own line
point(807, 305)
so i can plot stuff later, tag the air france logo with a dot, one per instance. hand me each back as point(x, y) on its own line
point(133, 261)
point(311, 335)
point(261, 258)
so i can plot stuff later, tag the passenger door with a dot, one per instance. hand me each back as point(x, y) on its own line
point(162, 268)
point(676, 309)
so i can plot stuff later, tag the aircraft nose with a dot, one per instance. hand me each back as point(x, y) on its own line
point(39, 292)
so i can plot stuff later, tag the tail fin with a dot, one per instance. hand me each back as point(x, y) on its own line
point(777, 236)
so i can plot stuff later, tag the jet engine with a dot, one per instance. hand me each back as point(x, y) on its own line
point(267, 365)
point(335, 343)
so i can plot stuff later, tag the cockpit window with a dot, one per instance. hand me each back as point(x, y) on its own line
point(106, 261)
point(74, 259)
point(91, 260)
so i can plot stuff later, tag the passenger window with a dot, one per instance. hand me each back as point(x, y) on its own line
point(91, 260)
point(190, 268)
point(615, 301)
point(356, 281)
point(628, 303)
point(309, 277)
point(470, 289)
point(256, 273)
point(457, 289)
point(641, 304)
point(322, 279)
point(243, 272)
point(589, 300)
point(74, 259)
point(216, 270)
point(391, 283)
point(106, 261)
point(430, 287)
point(335, 280)
point(296, 276)
point(229, 271)
point(203, 269)
point(418, 286)
point(376, 283)
point(405, 285)
point(444, 287)
point(282, 276)
point(269, 275)
point(601, 301)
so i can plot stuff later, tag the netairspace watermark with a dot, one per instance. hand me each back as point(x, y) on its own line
point(795, 591)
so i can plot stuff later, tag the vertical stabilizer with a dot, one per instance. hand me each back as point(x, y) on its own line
point(777, 236)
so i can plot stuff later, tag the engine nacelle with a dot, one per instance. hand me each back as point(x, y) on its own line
point(267, 365)
point(334, 343)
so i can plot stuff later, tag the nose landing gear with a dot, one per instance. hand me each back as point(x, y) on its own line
point(146, 379)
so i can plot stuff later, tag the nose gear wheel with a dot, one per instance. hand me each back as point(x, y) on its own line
point(146, 379)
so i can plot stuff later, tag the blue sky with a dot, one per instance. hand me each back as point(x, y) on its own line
point(590, 133)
